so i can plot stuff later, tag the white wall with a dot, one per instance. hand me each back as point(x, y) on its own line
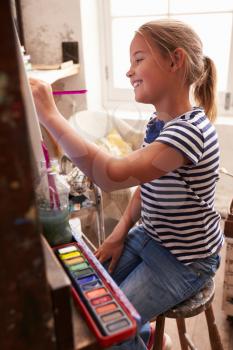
point(46, 24)
point(224, 193)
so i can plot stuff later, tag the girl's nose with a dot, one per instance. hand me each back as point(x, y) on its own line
point(129, 73)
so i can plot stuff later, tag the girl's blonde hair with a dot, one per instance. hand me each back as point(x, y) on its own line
point(200, 71)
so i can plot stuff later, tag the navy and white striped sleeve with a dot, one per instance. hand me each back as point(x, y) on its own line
point(186, 138)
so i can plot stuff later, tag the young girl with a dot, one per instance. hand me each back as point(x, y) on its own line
point(174, 251)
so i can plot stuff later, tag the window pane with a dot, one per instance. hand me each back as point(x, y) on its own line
point(215, 33)
point(123, 30)
point(184, 6)
point(216, 38)
point(138, 7)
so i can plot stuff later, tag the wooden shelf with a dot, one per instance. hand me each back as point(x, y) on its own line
point(52, 75)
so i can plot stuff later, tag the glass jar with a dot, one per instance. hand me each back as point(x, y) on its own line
point(52, 197)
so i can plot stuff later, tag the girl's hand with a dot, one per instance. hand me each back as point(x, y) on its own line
point(44, 101)
point(111, 249)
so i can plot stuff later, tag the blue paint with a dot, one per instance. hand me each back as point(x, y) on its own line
point(87, 279)
point(91, 285)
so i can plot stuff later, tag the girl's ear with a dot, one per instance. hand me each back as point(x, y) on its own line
point(177, 59)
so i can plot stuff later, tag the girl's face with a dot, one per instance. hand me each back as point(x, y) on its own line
point(149, 72)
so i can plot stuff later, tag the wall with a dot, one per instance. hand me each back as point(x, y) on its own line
point(224, 193)
point(46, 24)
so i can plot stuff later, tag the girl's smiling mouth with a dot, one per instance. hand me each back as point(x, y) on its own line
point(136, 83)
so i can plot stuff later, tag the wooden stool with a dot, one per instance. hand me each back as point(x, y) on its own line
point(200, 302)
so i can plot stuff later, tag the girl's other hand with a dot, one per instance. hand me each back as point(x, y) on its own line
point(44, 101)
point(111, 249)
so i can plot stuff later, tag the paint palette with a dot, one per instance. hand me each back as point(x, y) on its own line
point(109, 313)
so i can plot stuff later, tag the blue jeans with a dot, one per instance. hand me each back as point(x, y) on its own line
point(154, 280)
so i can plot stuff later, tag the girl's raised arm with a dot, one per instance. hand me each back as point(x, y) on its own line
point(107, 172)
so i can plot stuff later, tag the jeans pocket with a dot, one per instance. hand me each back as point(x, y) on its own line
point(207, 266)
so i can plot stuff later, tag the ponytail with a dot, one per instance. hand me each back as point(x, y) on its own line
point(205, 89)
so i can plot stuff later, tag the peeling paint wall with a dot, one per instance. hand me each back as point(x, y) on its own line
point(46, 24)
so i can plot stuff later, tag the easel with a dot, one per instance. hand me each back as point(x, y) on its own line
point(35, 303)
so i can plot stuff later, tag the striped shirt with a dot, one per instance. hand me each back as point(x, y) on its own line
point(178, 208)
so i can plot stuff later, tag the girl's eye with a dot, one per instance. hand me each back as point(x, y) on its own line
point(139, 60)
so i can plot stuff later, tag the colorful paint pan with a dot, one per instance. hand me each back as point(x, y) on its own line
point(69, 249)
point(96, 293)
point(113, 327)
point(78, 273)
point(113, 316)
point(79, 267)
point(91, 285)
point(70, 255)
point(74, 261)
point(87, 279)
point(106, 308)
point(101, 300)
point(89, 282)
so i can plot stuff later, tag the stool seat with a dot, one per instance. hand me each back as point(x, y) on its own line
point(194, 305)
point(200, 302)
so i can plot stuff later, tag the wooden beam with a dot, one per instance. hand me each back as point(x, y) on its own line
point(26, 320)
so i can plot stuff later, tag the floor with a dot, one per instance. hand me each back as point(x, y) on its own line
point(197, 327)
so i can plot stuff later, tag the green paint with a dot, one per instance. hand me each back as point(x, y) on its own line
point(79, 266)
point(84, 272)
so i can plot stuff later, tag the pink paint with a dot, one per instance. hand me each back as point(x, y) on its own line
point(69, 92)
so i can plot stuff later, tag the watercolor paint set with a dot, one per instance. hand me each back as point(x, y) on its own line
point(108, 312)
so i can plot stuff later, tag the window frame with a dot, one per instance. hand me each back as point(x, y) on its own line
point(115, 97)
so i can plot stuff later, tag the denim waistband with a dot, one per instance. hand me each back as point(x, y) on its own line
point(208, 265)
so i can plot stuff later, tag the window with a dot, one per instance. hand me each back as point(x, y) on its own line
point(211, 19)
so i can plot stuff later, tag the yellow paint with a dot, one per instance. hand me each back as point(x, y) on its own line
point(70, 255)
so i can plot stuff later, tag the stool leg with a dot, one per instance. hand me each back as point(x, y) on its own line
point(214, 336)
point(159, 332)
point(182, 330)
